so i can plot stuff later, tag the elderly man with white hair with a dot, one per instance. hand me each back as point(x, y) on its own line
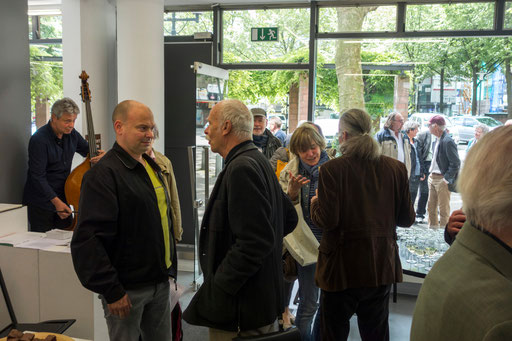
point(241, 240)
point(480, 131)
point(468, 293)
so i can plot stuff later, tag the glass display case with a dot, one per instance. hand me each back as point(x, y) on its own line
point(419, 248)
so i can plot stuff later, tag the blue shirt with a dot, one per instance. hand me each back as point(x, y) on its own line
point(281, 136)
point(49, 164)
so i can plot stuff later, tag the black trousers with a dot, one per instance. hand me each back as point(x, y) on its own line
point(423, 199)
point(414, 184)
point(371, 305)
point(42, 220)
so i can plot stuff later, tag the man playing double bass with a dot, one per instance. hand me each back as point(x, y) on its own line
point(50, 154)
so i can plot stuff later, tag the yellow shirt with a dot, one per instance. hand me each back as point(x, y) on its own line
point(162, 206)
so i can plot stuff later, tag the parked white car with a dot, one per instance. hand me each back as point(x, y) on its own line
point(466, 125)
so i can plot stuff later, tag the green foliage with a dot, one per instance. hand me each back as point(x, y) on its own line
point(187, 23)
point(45, 77)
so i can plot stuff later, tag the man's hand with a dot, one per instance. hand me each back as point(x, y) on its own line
point(61, 208)
point(294, 185)
point(455, 223)
point(97, 158)
point(121, 307)
point(423, 177)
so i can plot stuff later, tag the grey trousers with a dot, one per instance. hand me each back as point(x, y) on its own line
point(150, 315)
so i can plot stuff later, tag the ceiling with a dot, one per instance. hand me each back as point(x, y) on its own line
point(53, 7)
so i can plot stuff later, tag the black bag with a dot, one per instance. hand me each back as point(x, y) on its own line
point(291, 334)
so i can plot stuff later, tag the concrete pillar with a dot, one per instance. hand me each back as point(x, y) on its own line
point(14, 100)
point(293, 109)
point(89, 43)
point(303, 97)
point(140, 51)
point(42, 112)
point(401, 96)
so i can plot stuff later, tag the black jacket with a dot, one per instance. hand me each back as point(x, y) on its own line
point(448, 159)
point(118, 243)
point(423, 142)
point(241, 245)
point(273, 143)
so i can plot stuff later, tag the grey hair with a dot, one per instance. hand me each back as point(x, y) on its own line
point(277, 121)
point(238, 114)
point(358, 125)
point(390, 119)
point(483, 128)
point(410, 125)
point(442, 127)
point(64, 105)
point(485, 182)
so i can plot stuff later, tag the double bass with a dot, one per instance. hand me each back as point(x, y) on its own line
point(74, 180)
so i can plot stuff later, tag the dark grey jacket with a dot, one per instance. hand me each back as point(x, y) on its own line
point(240, 245)
point(423, 141)
point(448, 159)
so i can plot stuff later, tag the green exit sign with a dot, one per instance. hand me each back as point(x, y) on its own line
point(264, 34)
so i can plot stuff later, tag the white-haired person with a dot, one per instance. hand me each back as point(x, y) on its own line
point(480, 131)
point(417, 175)
point(468, 293)
point(362, 197)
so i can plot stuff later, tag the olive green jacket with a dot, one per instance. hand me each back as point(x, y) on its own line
point(170, 182)
point(468, 293)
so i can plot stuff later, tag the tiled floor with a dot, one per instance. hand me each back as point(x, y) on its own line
point(400, 316)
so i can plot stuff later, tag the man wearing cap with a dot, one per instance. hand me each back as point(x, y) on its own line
point(266, 142)
point(443, 173)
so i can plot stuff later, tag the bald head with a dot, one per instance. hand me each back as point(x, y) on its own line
point(133, 124)
point(122, 109)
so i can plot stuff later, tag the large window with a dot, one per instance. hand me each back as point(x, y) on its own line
point(45, 66)
point(290, 46)
point(456, 16)
point(187, 23)
point(358, 19)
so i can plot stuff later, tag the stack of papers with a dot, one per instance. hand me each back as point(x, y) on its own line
point(15, 239)
point(36, 240)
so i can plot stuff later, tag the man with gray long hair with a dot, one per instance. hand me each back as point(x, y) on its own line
point(411, 130)
point(241, 240)
point(50, 154)
point(468, 293)
point(393, 141)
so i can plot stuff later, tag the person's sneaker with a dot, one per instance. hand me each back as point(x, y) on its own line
point(420, 220)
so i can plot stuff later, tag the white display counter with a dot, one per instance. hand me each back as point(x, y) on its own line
point(43, 285)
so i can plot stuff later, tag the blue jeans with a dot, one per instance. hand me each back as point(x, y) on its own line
point(308, 300)
point(149, 318)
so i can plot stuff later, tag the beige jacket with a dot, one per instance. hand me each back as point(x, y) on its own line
point(170, 183)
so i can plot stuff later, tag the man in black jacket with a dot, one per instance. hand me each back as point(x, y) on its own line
point(443, 173)
point(123, 247)
point(241, 238)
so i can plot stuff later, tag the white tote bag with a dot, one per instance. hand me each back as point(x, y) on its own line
point(302, 243)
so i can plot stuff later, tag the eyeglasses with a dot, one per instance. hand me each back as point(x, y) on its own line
point(401, 121)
